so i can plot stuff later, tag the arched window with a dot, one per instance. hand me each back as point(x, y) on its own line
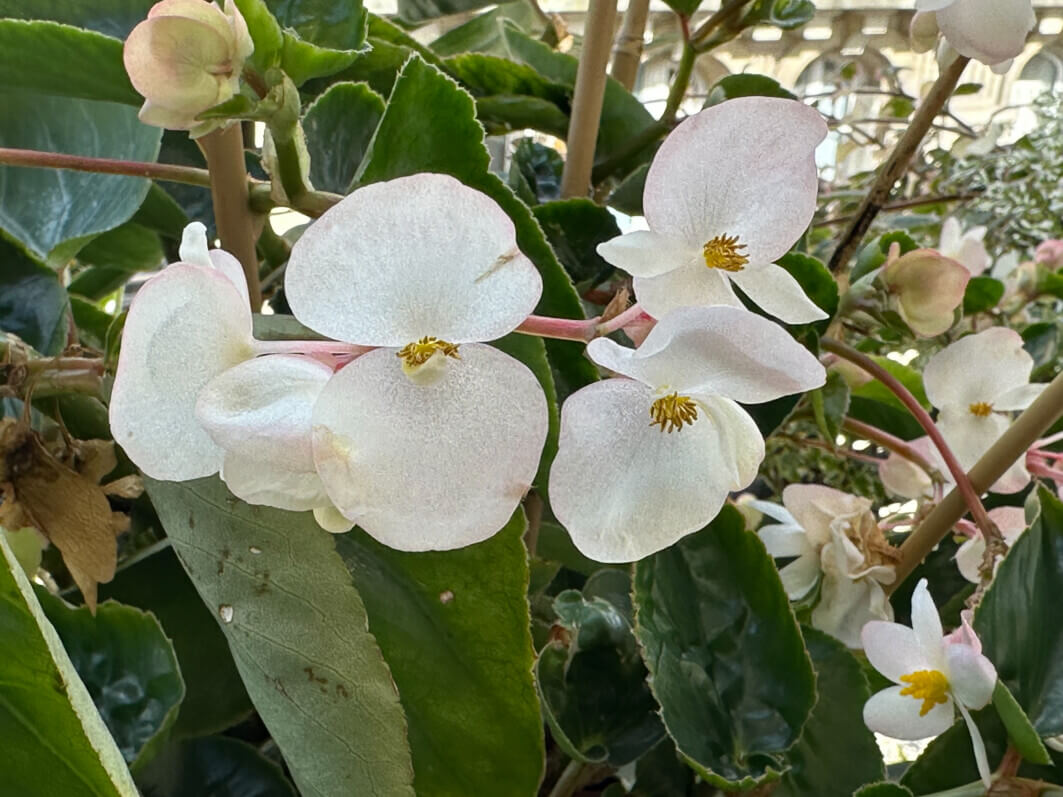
point(1041, 74)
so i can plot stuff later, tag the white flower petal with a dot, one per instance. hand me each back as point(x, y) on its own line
point(430, 466)
point(847, 604)
point(1019, 398)
point(926, 623)
point(969, 435)
point(1011, 520)
point(264, 483)
point(1003, 365)
point(694, 285)
point(745, 167)
point(782, 541)
point(185, 327)
point(777, 293)
point(262, 408)
point(800, 576)
point(648, 254)
point(972, 677)
point(330, 519)
point(969, 559)
point(416, 256)
point(989, 31)
point(893, 714)
point(972, 254)
point(978, 745)
point(720, 350)
point(894, 650)
point(903, 478)
point(815, 506)
point(194, 251)
point(625, 489)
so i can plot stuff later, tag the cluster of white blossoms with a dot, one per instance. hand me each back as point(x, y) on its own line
point(410, 425)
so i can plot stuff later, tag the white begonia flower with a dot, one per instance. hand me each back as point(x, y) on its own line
point(1011, 520)
point(903, 478)
point(934, 674)
point(431, 441)
point(973, 383)
point(966, 247)
point(184, 58)
point(990, 31)
point(834, 536)
point(260, 413)
point(728, 193)
point(645, 460)
point(185, 326)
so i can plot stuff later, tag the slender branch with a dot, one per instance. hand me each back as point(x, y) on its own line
point(588, 98)
point(224, 150)
point(963, 484)
point(1009, 449)
point(78, 163)
point(902, 204)
point(890, 443)
point(628, 50)
point(679, 84)
point(897, 163)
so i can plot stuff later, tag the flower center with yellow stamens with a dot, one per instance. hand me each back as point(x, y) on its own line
point(421, 351)
point(930, 686)
point(724, 252)
point(981, 408)
point(673, 411)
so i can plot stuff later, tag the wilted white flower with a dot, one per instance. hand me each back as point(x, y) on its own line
point(430, 441)
point(645, 460)
point(729, 192)
point(990, 31)
point(934, 674)
point(839, 545)
point(184, 58)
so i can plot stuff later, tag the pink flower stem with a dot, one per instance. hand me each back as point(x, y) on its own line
point(580, 329)
point(330, 348)
point(1038, 468)
point(1047, 441)
point(629, 316)
point(974, 504)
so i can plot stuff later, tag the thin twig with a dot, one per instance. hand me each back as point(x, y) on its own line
point(627, 53)
point(588, 98)
point(902, 204)
point(188, 175)
point(897, 163)
point(890, 443)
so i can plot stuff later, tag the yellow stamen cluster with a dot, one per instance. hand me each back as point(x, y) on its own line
point(672, 412)
point(420, 352)
point(930, 686)
point(982, 409)
point(724, 252)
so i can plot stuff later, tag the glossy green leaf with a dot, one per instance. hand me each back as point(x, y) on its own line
point(297, 629)
point(54, 740)
point(786, 14)
point(32, 302)
point(683, 7)
point(948, 761)
point(627, 197)
point(983, 293)
point(51, 58)
point(453, 626)
point(816, 281)
point(1042, 342)
point(129, 667)
point(746, 85)
point(215, 697)
point(726, 658)
point(450, 141)
point(535, 172)
point(339, 126)
point(836, 752)
point(508, 113)
point(265, 33)
point(830, 405)
point(416, 11)
point(324, 23)
point(593, 682)
point(115, 256)
point(111, 17)
point(574, 228)
point(26, 546)
point(216, 766)
point(1020, 732)
point(53, 212)
point(485, 75)
point(483, 33)
point(662, 773)
point(1019, 628)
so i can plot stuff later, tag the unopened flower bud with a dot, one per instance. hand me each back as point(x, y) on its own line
point(186, 57)
point(925, 289)
point(923, 32)
point(1050, 254)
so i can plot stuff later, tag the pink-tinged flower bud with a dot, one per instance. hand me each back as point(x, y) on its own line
point(1050, 253)
point(184, 58)
point(925, 289)
point(923, 32)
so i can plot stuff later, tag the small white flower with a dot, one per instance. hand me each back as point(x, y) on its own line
point(934, 674)
point(990, 31)
point(645, 460)
point(834, 537)
point(184, 58)
point(185, 326)
point(728, 193)
point(966, 247)
point(973, 383)
point(1011, 520)
point(430, 441)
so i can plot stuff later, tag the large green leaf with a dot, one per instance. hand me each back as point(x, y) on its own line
point(320, 37)
point(297, 628)
point(112, 17)
point(535, 172)
point(575, 227)
point(128, 666)
point(1020, 629)
point(339, 126)
point(423, 10)
point(114, 257)
point(32, 302)
point(51, 58)
point(216, 766)
point(215, 697)
point(453, 626)
point(483, 33)
point(47, 208)
point(450, 141)
point(836, 753)
point(54, 740)
point(726, 658)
